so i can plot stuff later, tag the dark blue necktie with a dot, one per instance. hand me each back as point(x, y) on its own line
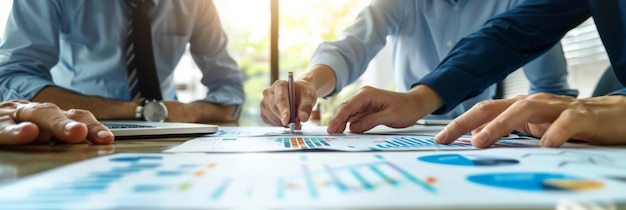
point(142, 76)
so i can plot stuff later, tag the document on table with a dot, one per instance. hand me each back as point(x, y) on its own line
point(252, 131)
point(347, 143)
point(477, 179)
point(308, 130)
point(272, 139)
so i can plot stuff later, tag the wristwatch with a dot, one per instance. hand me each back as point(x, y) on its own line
point(151, 110)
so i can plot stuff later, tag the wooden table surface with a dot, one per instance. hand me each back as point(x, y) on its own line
point(23, 160)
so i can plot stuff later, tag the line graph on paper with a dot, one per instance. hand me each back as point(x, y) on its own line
point(358, 178)
point(578, 158)
point(314, 180)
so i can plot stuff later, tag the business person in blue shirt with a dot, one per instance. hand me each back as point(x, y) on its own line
point(423, 33)
point(72, 53)
point(25, 122)
point(485, 57)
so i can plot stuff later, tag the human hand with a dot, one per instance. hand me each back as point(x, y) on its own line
point(555, 119)
point(275, 103)
point(23, 122)
point(371, 107)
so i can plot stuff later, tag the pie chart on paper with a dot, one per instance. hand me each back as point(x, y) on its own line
point(468, 160)
point(530, 181)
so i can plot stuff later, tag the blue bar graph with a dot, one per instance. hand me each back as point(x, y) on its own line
point(410, 142)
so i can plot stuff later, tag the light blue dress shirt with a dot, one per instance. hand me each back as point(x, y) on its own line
point(423, 32)
point(79, 45)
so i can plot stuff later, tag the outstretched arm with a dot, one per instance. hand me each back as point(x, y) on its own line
point(502, 45)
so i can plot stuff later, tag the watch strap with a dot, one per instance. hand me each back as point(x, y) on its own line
point(139, 112)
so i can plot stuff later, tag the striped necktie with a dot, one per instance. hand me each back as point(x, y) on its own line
point(142, 76)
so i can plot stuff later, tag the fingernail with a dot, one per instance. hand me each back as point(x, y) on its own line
point(545, 142)
point(70, 125)
point(480, 138)
point(103, 134)
point(441, 136)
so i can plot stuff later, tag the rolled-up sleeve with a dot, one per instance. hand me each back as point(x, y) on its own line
point(618, 92)
point(350, 54)
point(220, 73)
point(29, 49)
point(502, 45)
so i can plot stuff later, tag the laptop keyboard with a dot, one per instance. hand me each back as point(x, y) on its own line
point(122, 126)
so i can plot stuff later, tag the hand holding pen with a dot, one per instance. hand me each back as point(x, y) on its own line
point(276, 106)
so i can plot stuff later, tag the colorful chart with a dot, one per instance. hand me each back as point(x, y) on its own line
point(406, 142)
point(366, 177)
point(305, 142)
point(468, 160)
point(536, 182)
point(315, 180)
point(411, 142)
point(151, 175)
point(360, 142)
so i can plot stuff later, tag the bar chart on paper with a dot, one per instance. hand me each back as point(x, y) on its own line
point(338, 143)
point(127, 181)
point(379, 180)
point(304, 142)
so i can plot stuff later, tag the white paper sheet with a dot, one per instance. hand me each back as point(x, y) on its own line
point(314, 130)
point(344, 142)
point(251, 131)
point(492, 178)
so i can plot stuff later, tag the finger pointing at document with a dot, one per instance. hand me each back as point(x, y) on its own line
point(555, 119)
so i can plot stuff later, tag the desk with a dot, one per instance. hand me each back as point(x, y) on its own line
point(24, 160)
point(18, 161)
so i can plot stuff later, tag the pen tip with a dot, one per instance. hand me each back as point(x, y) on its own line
point(292, 127)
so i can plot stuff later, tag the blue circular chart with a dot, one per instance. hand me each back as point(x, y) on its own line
point(468, 160)
point(531, 181)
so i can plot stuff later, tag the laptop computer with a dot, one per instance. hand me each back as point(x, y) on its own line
point(143, 129)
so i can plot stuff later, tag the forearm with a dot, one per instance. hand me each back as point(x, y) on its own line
point(426, 98)
point(502, 45)
point(322, 78)
point(210, 112)
point(103, 109)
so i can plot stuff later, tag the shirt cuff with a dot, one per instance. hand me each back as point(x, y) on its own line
point(340, 68)
point(26, 90)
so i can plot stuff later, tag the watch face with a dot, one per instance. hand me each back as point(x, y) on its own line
point(155, 111)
